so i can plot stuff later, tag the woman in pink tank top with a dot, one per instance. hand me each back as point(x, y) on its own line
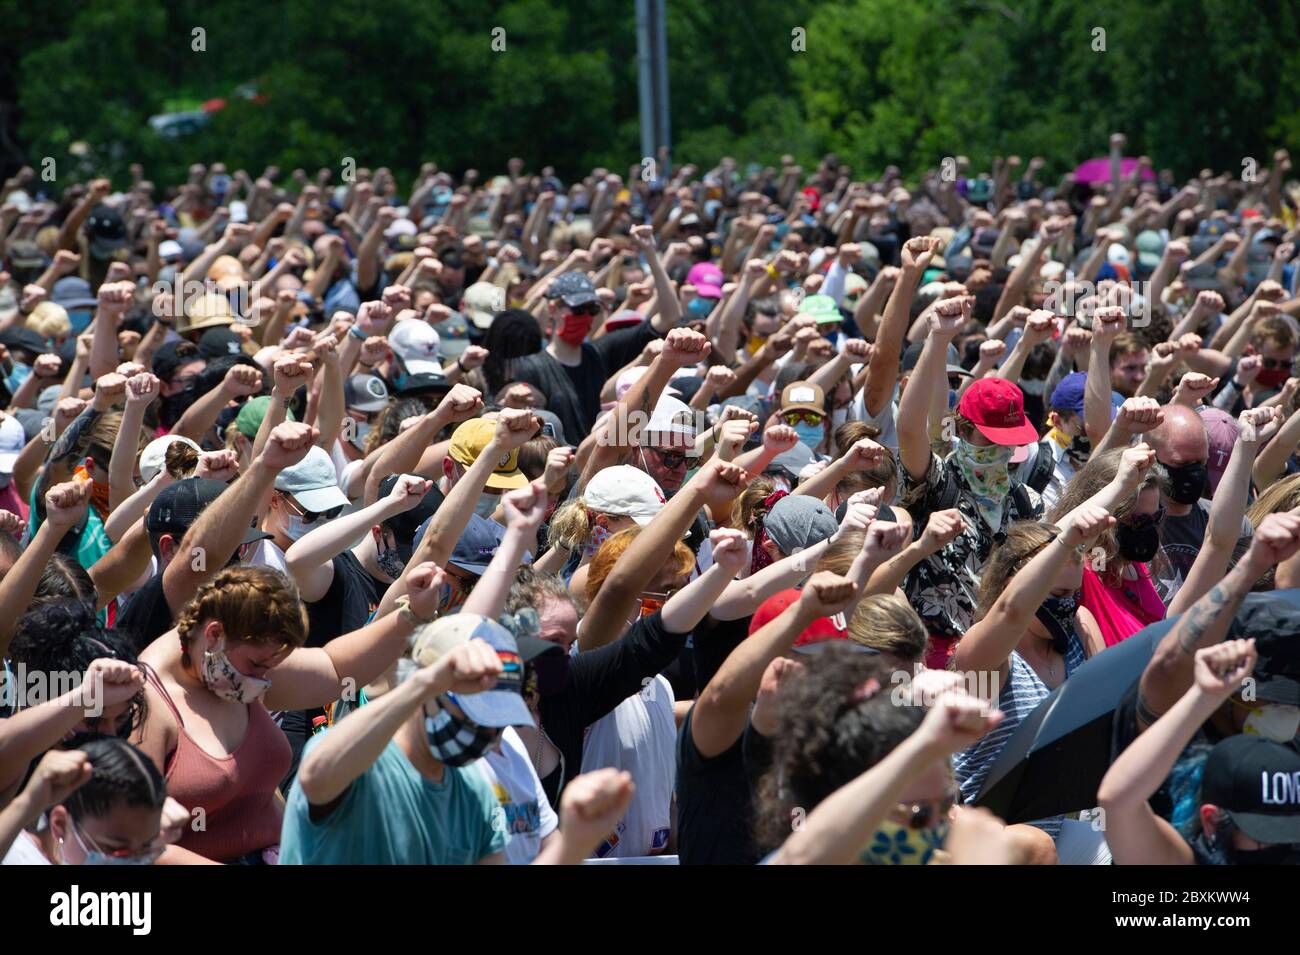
point(240, 641)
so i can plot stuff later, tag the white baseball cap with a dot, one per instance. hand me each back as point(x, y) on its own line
point(12, 441)
point(313, 482)
point(154, 456)
point(625, 491)
point(414, 341)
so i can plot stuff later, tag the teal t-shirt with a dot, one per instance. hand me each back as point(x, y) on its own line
point(392, 815)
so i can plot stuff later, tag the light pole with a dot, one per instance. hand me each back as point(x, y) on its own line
point(652, 75)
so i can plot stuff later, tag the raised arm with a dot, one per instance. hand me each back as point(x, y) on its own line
point(882, 372)
point(946, 319)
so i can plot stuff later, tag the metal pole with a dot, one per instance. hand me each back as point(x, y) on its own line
point(652, 79)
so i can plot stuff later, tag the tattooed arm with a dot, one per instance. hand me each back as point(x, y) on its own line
point(1169, 674)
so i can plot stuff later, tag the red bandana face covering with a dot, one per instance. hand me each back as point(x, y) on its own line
point(760, 557)
point(574, 328)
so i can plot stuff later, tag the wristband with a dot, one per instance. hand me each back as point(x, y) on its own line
point(459, 367)
point(772, 272)
point(357, 333)
point(408, 615)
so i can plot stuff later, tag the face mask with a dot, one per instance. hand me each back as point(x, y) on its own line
point(574, 328)
point(450, 598)
point(96, 857)
point(80, 321)
point(755, 343)
point(1273, 377)
point(220, 676)
point(1274, 721)
point(487, 503)
point(454, 741)
point(810, 434)
point(1056, 614)
point(1079, 451)
point(1187, 482)
point(552, 672)
point(359, 434)
point(1138, 544)
point(17, 376)
point(988, 476)
point(171, 407)
point(295, 527)
point(1060, 437)
point(599, 534)
point(700, 307)
point(899, 845)
point(390, 562)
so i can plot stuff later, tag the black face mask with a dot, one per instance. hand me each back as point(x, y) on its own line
point(1079, 450)
point(1138, 544)
point(171, 407)
point(1056, 614)
point(1187, 482)
point(552, 671)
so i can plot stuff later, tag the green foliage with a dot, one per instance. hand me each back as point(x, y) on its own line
point(1192, 83)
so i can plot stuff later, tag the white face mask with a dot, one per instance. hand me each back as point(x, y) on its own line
point(295, 527)
point(487, 503)
point(1275, 721)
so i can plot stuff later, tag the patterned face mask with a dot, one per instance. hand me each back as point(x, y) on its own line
point(456, 741)
point(220, 676)
point(988, 475)
point(894, 844)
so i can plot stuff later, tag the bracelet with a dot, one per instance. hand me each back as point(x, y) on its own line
point(357, 333)
point(408, 615)
point(771, 271)
point(459, 367)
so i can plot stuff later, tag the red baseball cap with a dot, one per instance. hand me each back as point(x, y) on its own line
point(819, 630)
point(997, 409)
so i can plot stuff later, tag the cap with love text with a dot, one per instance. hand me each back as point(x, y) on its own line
point(1257, 782)
point(997, 409)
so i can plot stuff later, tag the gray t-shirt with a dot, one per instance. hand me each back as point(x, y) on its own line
point(1182, 538)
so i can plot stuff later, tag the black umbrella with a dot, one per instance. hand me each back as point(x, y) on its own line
point(1056, 758)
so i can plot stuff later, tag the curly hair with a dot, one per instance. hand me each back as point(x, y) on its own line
point(65, 636)
point(252, 604)
point(532, 588)
point(390, 420)
point(828, 733)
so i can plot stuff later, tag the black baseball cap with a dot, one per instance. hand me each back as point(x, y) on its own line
point(573, 289)
point(179, 505)
point(405, 525)
point(172, 355)
point(1273, 621)
point(21, 336)
point(220, 342)
point(107, 232)
point(1257, 782)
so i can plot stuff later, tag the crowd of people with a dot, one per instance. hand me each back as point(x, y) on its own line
point(738, 515)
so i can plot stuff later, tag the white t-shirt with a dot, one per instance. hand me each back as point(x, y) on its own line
point(24, 851)
point(526, 813)
point(639, 736)
point(884, 421)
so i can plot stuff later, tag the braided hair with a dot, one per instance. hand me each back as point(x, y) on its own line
point(252, 604)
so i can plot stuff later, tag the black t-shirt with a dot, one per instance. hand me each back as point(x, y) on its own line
point(600, 680)
point(146, 616)
point(352, 596)
point(1182, 538)
point(573, 391)
point(713, 642)
point(714, 804)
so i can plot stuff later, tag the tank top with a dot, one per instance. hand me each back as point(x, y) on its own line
point(237, 793)
point(1122, 611)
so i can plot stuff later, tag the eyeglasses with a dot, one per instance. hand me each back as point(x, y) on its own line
point(671, 459)
point(591, 309)
point(312, 516)
point(793, 418)
point(1273, 364)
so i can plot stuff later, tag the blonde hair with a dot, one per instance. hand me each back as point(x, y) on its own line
point(49, 320)
point(1023, 542)
point(1281, 496)
point(571, 525)
point(253, 605)
point(838, 557)
point(886, 622)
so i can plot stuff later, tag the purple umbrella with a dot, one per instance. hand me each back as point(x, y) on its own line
point(1098, 170)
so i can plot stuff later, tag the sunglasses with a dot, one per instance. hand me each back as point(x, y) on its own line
point(312, 516)
point(590, 309)
point(670, 459)
point(793, 418)
point(926, 815)
point(1274, 363)
point(1141, 522)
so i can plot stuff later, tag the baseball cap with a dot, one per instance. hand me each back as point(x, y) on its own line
point(406, 525)
point(573, 289)
point(365, 392)
point(803, 396)
point(625, 491)
point(623, 384)
point(1069, 392)
point(707, 279)
point(1221, 428)
point(820, 631)
point(20, 336)
point(467, 443)
point(251, 413)
point(477, 544)
point(481, 302)
point(313, 482)
point(1257, 781)
point(12, 441)
point(154, 456)
point(792, 462)
point(912, 354)
point(171, 356)
point(107, 232)
point(416, 343)
point(501, 706)
point(1150, 246)
point(73, 292)
point(821, 308)
point(179, 505)
point(997, 409)
point(798, 521)
point(170, 249)
point(26, 254)
point(625, 318)
point(219, 342)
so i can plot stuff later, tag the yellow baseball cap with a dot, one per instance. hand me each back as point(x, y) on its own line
point(468, 442)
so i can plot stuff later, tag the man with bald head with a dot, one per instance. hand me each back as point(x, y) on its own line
point(1182, 446)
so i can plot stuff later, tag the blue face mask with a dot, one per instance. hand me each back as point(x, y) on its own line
point(17, 376)
point(700, 307)
point(80, 320)
point(810, 434)
point(94, 856)
point(952, 399)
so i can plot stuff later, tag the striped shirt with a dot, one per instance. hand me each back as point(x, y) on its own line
point(1023, 691)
